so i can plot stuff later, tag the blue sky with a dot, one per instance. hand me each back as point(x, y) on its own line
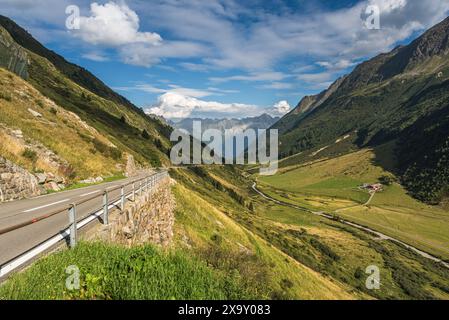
point(222, 58)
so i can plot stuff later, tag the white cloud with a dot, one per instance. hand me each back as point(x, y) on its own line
point(277, 86)
point(95, 56)
point(218, 90)
point(147, 54)
point(338, 65)
point(113, 24)
point(279, 109)
point(197, 67)
point(173, 105)
point(190, 92)
point(195, 93)
point(257, 76)
point(387, 6)
point(315, 77)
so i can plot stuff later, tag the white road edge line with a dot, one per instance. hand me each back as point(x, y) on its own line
point(89, 193)
point(47, 205)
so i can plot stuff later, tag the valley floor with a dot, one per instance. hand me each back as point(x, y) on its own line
point(332, 186)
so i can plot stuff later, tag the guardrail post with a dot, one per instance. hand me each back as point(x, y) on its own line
point(134, 191)
point(72, 219)
point(105, 208)
point(122, 198)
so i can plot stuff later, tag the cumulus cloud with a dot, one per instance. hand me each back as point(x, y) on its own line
point(179, 104)
point(279, 109)
point(174, 105)
point(113, 24)
point(387, 6)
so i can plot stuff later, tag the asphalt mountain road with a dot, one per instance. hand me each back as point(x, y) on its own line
point(16, 242)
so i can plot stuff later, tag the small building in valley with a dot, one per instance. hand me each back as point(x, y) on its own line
point(376, 187)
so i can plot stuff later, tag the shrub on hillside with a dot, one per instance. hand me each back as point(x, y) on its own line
point(5, 96)
point(29, 154)
point(106, 150)
point(145, 134)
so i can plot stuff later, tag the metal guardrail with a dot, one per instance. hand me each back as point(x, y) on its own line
point(70, 231)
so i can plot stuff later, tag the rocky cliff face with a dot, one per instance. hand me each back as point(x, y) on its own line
point(12, 56)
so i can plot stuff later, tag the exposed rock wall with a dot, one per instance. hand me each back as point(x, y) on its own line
point(16, 182)
point(12, 56)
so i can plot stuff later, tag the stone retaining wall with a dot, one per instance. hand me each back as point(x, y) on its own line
point(149, 219)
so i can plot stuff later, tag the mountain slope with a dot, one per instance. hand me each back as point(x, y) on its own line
point(66, 90)
point(384, 99)
point(75, 73)
point(12, 56)
point(305, 106)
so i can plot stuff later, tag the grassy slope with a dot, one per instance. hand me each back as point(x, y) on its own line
point(75, 89)
point(104, 115)
point(59, 131)
point(228, 245)
point(240, 264)
point(110, 272)
point(319, 244)
point(392, 211)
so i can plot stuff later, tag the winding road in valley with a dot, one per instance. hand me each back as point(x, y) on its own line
point(352, 224)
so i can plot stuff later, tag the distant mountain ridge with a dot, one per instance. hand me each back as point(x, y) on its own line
point(263, 121)
point(233, 125)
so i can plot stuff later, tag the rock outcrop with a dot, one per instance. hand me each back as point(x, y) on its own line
point(55, 166)
point(12, 56)
point(131, 168)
